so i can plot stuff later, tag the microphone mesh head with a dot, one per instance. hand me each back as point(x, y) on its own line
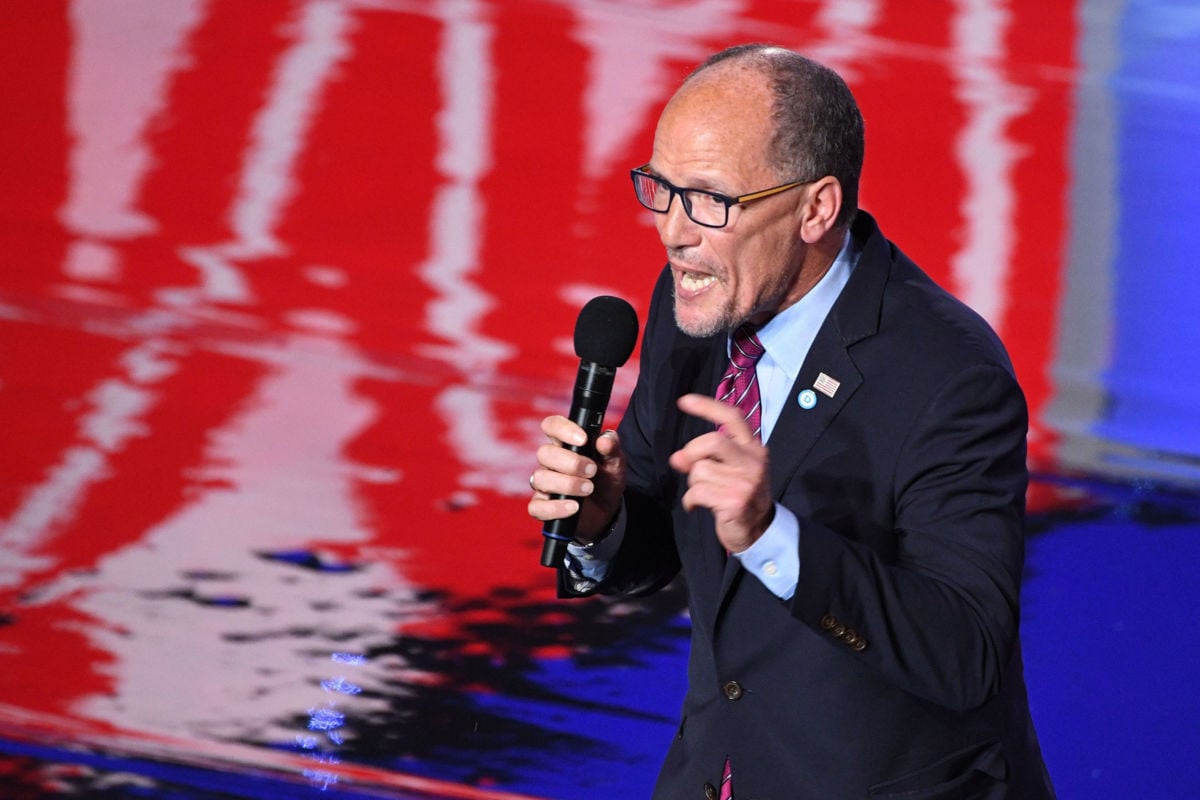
point(606, 331)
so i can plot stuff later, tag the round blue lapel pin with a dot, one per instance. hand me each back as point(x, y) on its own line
point(807, 399)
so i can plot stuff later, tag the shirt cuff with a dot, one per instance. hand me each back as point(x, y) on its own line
point(775, 558)
point(591, 562)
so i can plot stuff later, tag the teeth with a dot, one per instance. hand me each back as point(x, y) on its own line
point(693, 282)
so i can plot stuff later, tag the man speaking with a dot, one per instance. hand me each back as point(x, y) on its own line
point(830, 447)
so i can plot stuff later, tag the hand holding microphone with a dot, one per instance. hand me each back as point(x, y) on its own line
point(605, 335)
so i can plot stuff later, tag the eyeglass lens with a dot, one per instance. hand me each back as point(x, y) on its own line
point(702, 207)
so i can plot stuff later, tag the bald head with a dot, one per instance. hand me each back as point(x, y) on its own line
point(724, 116)
point(815, 126)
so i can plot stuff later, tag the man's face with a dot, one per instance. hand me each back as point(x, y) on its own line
point(714, 135)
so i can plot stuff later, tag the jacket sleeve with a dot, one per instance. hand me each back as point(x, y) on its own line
point(939, 615)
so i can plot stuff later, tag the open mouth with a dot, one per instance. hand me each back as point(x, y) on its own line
point(694, 283)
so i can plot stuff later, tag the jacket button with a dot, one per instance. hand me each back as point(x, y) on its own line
point(859, 645)
point(733, 690)
point(710, 791)
point(839, 630)
point(828, 621)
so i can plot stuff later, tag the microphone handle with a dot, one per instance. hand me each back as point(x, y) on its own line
point(593, 387)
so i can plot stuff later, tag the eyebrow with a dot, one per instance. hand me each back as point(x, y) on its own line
point(703, 184)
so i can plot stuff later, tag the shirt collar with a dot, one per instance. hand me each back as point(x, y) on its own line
point(788, 335)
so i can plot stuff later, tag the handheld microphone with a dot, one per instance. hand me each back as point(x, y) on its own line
point(605, 334)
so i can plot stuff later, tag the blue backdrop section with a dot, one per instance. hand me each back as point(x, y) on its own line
point(1111, 646)
point(1156, 90)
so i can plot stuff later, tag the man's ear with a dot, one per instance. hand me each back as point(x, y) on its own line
point(821, 208)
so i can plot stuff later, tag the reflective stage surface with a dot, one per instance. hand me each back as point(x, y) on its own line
point(287, 287)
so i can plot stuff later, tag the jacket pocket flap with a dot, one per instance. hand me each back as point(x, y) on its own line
point(966, 773)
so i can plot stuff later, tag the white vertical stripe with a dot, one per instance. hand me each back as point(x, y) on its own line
point(846, 34)
point(274, 476)
point(281, 128)
point(633, 51)
point(112, 416)
point(276, 140)
point(463, 159)
point(985, 155)
point(120, 68)
point(1083, 345)
point(456, 314)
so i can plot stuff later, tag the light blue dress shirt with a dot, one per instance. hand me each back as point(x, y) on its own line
point(775, 558)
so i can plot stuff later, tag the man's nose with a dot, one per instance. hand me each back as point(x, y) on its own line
point(675, 227)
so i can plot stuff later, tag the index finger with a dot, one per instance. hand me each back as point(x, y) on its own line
point(561, 429)
point(724, 416)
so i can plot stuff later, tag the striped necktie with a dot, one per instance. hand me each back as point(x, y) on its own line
point(739, 386)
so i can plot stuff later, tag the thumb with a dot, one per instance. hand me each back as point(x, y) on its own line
point(612, 457)
point(608, 445)
point(609, 483)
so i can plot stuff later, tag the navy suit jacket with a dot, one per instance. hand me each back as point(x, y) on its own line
point(895, 670)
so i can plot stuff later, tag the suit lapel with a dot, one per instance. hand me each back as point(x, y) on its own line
point(810, 411)
point(798, 427)
point(854, 317)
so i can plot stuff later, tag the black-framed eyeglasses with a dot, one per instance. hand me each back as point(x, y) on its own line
point(710, 209)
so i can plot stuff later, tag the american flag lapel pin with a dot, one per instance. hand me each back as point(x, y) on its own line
point(826, 385)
